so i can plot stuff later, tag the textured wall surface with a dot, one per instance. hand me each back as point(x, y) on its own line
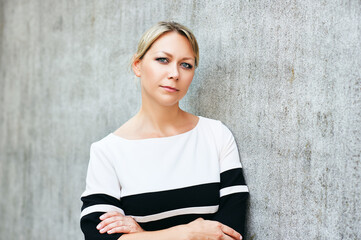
point(284, 76)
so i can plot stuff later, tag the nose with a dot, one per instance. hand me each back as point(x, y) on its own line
point(173, 72)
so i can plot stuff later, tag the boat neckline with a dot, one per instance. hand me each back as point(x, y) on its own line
point(159, 138)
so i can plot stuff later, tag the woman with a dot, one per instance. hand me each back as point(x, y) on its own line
point(165, 173)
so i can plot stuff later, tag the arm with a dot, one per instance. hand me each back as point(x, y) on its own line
point(101, 195)
point(233, 189)
point(175, 233)
point(197, 230)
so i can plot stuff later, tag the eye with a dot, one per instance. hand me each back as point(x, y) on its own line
point(186, 65)
point(162, 60)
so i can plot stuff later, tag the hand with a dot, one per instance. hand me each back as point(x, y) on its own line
point(115, 222)
point(212, 230)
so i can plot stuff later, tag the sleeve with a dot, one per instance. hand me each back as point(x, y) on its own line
point(233, 189)
point(101, 195)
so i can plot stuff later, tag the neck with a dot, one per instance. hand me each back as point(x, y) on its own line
point(158, 117)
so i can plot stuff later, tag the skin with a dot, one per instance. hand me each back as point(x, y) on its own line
point(169, 62)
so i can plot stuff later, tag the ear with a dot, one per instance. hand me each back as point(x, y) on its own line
point(136, 66)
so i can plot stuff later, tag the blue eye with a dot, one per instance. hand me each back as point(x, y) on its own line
point(187, 65)
point(162, 60)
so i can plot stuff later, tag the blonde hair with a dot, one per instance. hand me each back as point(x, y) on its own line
point(153, 33)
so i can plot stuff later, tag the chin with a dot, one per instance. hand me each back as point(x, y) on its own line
point(167, 102)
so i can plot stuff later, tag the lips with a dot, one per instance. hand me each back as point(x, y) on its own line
point(169, 89)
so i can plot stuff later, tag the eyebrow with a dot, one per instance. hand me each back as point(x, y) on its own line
point(168, 54)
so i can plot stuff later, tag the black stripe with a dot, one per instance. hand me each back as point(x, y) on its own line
point(232, 177)
point(173, 221)
point(156, 202)
point(95, 199)
point(88, 225)
point(232, 211)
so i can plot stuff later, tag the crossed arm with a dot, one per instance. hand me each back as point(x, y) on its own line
point(115, 222)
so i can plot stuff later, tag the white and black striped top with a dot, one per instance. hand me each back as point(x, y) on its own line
point(167, 181)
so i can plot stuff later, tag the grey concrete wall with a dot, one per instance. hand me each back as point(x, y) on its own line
point(284, 76)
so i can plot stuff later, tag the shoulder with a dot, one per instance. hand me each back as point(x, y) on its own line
point(210, 122)
point(104, 147)
point(216, 129)
point(216, 126)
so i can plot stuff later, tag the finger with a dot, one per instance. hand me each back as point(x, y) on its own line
point(122, 229)
point(110, 214)
point(109, 220)
point(226, 237)
point(231, 232)
point(112, 225)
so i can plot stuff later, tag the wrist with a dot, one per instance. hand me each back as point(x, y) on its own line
point(183, 232)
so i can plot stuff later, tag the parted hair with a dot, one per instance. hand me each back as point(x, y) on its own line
point(153, 33)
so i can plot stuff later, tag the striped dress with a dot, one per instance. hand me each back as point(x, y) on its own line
point(167, 181)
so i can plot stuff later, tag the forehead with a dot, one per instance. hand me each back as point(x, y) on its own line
point(173, 43)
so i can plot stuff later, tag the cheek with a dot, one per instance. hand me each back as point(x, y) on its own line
point(189, 78)
point(152, 72)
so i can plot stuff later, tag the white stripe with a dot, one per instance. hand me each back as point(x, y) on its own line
point(234, 189)
point(100, 208)
point(230, 168)
point(172, 213)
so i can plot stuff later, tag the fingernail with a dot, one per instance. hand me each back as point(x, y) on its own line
point(102, 230)
point(241, 238)
point(101, 217)
point(110, 231)
point(99, 226)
